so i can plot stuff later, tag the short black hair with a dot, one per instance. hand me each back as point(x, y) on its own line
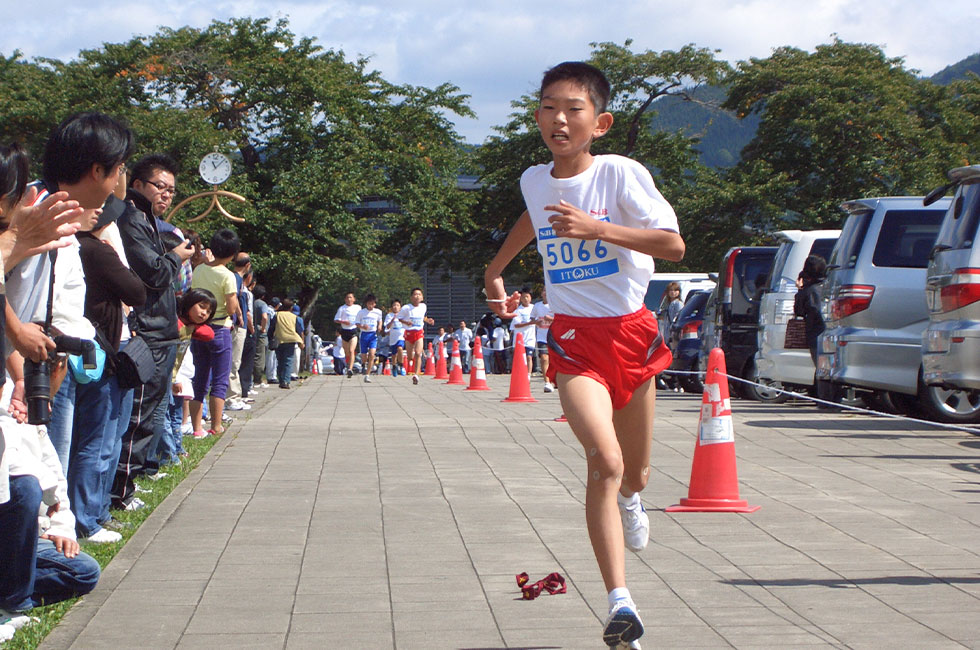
point(287, 304)
point(588, 76)
point(146, 165)
point(15, 167)
point(414, 289)
point(194, 296)
point(258, 292)
point(370, 297)
point(224, 243)
point(83, 140)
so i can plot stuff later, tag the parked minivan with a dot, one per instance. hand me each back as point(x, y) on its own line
point(951, 342)
point(731, 319)
point(877, 310)
point(775, 363)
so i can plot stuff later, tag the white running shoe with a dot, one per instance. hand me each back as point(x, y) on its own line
point(103, 536)
point(6, 632)
point(623, 625)
point(636, 527)
point(186, 429)
point(14, 620)
point(135, 504)
point(548, 387)
point(156, 477)
point(237, 405)
point(367, 379)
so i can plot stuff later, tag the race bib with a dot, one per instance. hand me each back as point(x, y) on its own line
point(573, 260)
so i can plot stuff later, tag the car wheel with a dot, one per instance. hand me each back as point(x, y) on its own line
point(760, 394)
point(945, 405)
point(891, 402)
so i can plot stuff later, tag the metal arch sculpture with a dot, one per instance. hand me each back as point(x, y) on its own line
point(215, 204)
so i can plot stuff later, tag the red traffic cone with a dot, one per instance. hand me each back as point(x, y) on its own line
point(456, 373)
point(478, 373)
point(561, 418)
point(387, 369)
point(520, 382)
point(714, 479)
point(441, 370)
point(430, 363)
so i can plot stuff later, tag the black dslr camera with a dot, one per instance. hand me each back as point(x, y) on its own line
point(37, 376)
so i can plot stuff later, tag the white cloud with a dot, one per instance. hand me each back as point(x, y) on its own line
point(496, 51)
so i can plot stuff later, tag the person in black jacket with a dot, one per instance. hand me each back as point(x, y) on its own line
point(151, 191)
point(807, 306)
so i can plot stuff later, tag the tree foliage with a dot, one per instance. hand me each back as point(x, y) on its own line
point(311, 135)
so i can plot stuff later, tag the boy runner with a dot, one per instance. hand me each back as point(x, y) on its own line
point(369, 322)
point(599, 222)
point(414, 319)
point(396, 338)
point(346, 318)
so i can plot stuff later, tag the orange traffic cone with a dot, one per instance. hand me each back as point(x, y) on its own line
point(478, 374)
point(714, 479)
point(456, 373)
point(520, 381)
point(430, 362)
point(561, 418)
point(441, 370)
point(314, 367)
point(387, 369)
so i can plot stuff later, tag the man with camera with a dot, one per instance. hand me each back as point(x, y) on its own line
point(151, 190)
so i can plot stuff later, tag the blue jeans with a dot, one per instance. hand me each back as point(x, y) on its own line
point(62, 420)
point(284, 365)
point(97, 432)
point(107, 469)
point(18, 543)
point(175, 419)
point(59, 578)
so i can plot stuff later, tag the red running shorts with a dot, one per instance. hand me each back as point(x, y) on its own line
point(620, 352)
point(411, 336)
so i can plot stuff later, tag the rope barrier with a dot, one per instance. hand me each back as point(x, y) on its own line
point(856, 409)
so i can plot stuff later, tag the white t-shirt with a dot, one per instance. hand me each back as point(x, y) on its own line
point(348, 313)
point(338, 348)
point(499, 338)
point(396, 332)
point(527, 333)
point(540, 310)
point(594, 278)
point(368, 319)
point(465, 337)
point(414, 314)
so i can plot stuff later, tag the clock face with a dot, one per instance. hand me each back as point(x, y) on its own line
point(215, 168)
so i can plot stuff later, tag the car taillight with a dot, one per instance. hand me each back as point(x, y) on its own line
point(963, 289)
point(690, 330)
point(851, 299)
point(729, 279)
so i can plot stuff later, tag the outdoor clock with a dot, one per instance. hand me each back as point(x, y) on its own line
point(215, 168)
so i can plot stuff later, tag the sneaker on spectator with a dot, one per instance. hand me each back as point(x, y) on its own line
point(623, 624)
point(236, 405)
point(14, 620)
point(248, 400)
point(186, 429)
point(141, 490)
point(136, 504)
point(636, 527)
point(6, 632)
point(103, 536)
point(157, 476)
point(548, 387)
point(114, 524)
point(252, 392)
point(225, 418)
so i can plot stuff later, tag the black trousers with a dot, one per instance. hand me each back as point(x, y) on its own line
point(146, 426)
point(247, 368)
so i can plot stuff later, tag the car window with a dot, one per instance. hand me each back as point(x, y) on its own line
point(906, 237)
point(694, 307)
point(751, 273)
point(852, 237)
point(655, 294)
point(780, 281)
point(960, 230)
point(823, 247)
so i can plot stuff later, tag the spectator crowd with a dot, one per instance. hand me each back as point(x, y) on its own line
point(122, 334)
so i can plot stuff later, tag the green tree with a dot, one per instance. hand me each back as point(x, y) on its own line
point(311, 135)
point(840, 123)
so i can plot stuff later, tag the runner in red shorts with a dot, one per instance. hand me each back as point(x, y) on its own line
point(413, 317)
point(599, 221)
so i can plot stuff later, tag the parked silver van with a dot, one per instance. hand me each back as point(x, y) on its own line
point(877, 309)
point(775, 363)
point(951, 342)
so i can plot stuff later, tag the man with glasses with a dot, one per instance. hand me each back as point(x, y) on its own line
point(151, 191)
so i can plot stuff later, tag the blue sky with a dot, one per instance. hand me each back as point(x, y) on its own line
point(496, 51)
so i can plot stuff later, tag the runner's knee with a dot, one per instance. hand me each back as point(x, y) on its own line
point(605, 465)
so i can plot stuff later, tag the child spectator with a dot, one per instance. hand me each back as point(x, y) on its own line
point(524, 324)
point(196, 308)
point(212, 359)
point(542, 317)
point(599, 222)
